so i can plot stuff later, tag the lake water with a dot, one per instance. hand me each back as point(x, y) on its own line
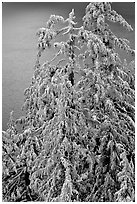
point(20, 21)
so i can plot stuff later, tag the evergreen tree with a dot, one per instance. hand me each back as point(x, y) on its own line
point(77, 139)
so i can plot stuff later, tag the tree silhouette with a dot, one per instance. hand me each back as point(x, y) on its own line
point(77, 139)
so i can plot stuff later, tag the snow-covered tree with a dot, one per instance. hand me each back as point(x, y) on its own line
point(77, 139)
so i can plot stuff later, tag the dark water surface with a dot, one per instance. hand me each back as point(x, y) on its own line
point(20, 21)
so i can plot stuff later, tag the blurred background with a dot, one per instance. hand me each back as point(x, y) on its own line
point(20, 22)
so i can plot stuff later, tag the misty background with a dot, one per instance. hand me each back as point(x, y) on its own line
point(20, 22)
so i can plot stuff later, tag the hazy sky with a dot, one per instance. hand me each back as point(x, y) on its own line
point(20, 22)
